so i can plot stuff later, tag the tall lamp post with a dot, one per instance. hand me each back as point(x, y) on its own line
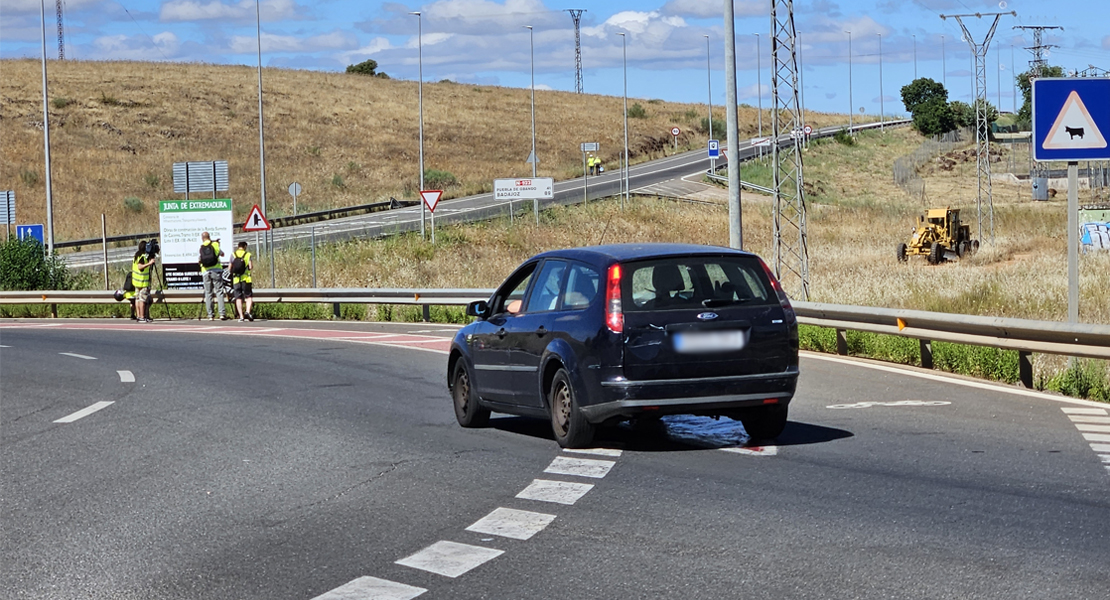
point(261, 142)
point(759, 84)
point(46, 144)
point(535, 159)
point(420, 103)
point(624, 49)
point(882, 111)
point(915, 57)
point(943, 68)
point(709, 83)
point(850, 103)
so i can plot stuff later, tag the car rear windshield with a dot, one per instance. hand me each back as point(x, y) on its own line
point(694, 282)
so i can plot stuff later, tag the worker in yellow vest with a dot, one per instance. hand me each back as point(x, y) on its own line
point(140, 278)
point(241, 286)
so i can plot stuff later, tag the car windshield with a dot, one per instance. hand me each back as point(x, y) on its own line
point(693, 283)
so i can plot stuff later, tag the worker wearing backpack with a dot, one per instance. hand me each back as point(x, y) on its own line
point(241, 265)
point(212, 271)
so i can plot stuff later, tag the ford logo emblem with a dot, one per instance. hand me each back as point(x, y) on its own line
point(707, 316)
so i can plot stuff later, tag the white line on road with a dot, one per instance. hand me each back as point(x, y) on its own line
point(1100, 447)
point(559, 492)
point(1084, 411)
point(3, 346)
point(126, 376)
point(581, 467)
point(512, 523)
point(450, 559)
point(1093, 428)
point(1105, 457)
point(975, 384)
point(77, 355)
point(598, 451)
point(754, 450)
point(372, 588)
point(1088, 419)
point(1096, 437)
point(84, 412)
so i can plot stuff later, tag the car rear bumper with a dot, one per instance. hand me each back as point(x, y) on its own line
point(712, 396)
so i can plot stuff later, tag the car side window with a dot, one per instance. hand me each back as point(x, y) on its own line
point(581, 288)
point(511, 294)
point(545, 296)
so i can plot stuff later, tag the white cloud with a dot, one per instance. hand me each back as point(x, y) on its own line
point(191, 10)
point(708, 9)
point(376, 45)
point(122, 47)
point(335, 40)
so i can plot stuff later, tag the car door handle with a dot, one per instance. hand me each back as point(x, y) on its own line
point(501, 332)
point(541, 331)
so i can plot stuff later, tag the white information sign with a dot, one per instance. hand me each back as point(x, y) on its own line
point(180, 224)
point(539, 188)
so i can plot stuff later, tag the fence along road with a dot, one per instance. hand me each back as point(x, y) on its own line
point(482, 206)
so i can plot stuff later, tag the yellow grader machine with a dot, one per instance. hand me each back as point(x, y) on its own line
point(939, 236)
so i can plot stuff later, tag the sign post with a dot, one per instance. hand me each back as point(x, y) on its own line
point(294, 190)
point(256, 221)
point(1071, 122)
point(7, 211)
point(587, 147)
point(180, 224)
point(431, 199)
point(675, 131)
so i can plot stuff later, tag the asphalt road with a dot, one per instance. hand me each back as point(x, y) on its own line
point(292, 460)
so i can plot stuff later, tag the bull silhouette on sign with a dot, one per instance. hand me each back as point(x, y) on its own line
point(1074, 131)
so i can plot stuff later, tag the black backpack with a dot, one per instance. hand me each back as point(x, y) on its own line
point(238, 266)
point(208, 256)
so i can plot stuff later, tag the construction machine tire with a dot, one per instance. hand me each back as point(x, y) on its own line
point(974, 246)
point(962, 248)
point(936, 254)
point(901, 253)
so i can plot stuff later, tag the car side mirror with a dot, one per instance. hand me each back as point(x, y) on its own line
point(478, 308)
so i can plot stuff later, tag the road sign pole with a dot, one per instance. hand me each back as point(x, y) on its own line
point(1073, 241)
point(585, 180)
point(314, 256)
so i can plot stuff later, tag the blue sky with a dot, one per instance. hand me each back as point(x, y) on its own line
point(484, 41)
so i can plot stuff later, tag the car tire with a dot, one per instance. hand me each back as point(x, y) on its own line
point(468, 411)
point(569, 425)
point(764, 422)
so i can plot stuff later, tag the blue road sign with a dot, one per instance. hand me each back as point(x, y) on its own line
point(1071, 119)
point(23, 232)
point(714, 149)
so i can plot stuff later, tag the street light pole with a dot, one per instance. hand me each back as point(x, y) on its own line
point(850, 103)
point(943, 68)
point(420, 103)
point(261, 142)
point(882, 111)
point(915, 57)
point(46, 144)
point(535, 159)
point(759, 84)
point(624, 49)
point(709, 84)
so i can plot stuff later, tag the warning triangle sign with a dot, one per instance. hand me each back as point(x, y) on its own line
point(256, 221)
point(1074, 128)
point(431, 198)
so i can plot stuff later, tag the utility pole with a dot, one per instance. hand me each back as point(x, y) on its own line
point(791, 254)
point(576, 16)
point(732, 131)
point(1038, 48)
point(982, 133)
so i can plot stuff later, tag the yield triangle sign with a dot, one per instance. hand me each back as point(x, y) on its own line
point(256, 221)
point(431, 198)
point(1074, 128)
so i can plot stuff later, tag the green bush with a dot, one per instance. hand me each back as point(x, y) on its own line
point(25, 266)
point(435, 179)
point(28, 177)
point(637, 112)
point(337, 181)
point(1083, 379)
point(720, 128)
point(152, 181)
point(366, 67)
point(133, 204)
point(845, 138)
point(61, 102)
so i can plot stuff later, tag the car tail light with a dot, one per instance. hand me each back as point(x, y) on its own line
point(784, 300)
point(614, 314)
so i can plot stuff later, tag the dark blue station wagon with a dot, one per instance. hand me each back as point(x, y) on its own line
point(596, 335)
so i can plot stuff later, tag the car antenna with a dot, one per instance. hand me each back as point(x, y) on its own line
point(604, 231)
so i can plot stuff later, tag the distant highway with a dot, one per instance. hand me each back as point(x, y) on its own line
point(482, 206)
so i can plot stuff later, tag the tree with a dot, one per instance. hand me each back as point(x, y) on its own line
point(1025, 113)
point(922, 90)
point(927, 100)
point(24, 266)
point(366, 67)
point(962, 113)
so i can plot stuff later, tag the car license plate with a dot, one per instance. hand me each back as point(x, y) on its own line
point(693, 342)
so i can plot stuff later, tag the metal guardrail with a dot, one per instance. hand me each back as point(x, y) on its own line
point(1023, 335)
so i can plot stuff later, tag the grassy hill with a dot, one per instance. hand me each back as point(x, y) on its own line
point(117, 128)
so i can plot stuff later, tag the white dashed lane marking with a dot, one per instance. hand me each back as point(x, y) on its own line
point(1084, 411)
point(84, 412)
point(450, 559)
point(372, 588)
point(512, 523)
point(77, 355)
point(1093, 428)
point(126, 376)
point(1097, 437)
point(1088, 419)
point(559, 492)
point(598, 451)
point(581, 467)
point(1094, 425)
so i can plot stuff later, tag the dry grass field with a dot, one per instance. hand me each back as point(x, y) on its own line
point(117, 127)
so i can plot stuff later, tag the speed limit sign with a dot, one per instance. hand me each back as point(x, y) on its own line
point(808, 130)
point(675, 131)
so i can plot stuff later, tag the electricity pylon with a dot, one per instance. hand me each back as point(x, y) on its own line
point(576, 16)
